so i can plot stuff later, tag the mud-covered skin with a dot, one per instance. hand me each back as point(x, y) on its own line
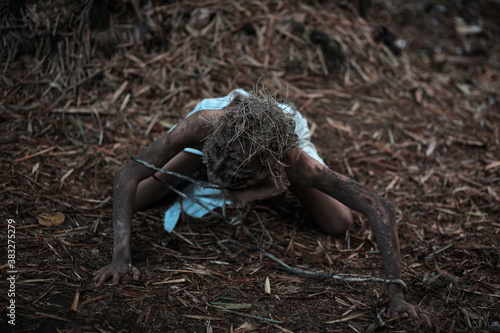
point(188, 133)
point(302, 170)
point(306, 171)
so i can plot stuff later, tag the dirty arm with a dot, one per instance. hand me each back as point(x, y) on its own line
point(188, 133)
point(307, 171)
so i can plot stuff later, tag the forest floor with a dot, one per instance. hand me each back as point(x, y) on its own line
point(411, 112)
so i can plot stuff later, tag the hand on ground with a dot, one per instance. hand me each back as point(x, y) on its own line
point(399, 305)
point(115, 270)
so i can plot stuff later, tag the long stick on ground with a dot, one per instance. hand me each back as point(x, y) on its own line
point(258, 247)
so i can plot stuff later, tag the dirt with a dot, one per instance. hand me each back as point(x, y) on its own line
point(421, 129)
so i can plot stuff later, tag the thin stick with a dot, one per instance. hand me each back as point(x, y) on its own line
point(41, 314)
point(34, 155)
point(197, 182)
point(259, 246)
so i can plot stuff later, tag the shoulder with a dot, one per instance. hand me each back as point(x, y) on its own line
point(194, 128)
point(199, 119)
point(302, 168)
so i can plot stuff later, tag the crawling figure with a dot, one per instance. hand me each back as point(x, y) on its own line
point(253, 148)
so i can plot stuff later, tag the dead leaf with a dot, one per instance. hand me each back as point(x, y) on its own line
point(232, 306)
point(338, 125)
point(35, 168)
point(50, 220)
point(493, 165)
point(267, 286)
point(466, 29)
point(464, 88)
point(431, 147)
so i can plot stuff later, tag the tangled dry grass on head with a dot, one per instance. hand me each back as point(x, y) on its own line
point(245, 152)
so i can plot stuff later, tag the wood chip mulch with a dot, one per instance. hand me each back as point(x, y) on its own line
point(419, 124)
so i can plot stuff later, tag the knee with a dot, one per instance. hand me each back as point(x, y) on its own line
point(337, 225)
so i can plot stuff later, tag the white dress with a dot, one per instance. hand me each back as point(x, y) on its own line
point(206, 195)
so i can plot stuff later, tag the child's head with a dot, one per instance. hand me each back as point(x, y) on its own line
point(245, 153)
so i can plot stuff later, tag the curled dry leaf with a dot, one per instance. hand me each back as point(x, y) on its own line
point(51, 219)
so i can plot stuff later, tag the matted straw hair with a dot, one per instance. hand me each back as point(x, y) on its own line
point(245, 152)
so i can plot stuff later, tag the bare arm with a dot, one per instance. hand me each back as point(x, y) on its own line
point(307, 171)
point(188, 133)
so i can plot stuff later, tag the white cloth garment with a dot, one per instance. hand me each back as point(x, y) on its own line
point(206, 195)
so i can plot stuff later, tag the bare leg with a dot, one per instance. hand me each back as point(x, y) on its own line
point(333, 217)
point(150, 191)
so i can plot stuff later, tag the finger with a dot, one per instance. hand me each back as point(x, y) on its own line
point(102, 278)
point(116, 278)
point(413, 312)
point(136, 274)
point(394, 313)
point(425, 318)
point(98, 272)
